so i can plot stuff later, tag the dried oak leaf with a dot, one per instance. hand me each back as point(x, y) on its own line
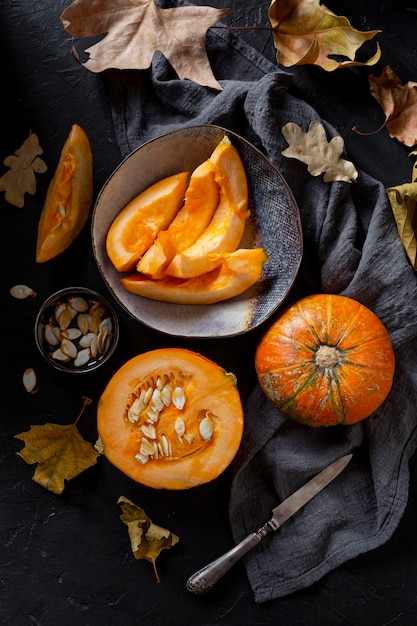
point(320, 155)
point(307, 32)
point(60, 452)
point(399, 103)
point(136, 29)
point(23, 164)
point(146, 539)
point(403, 200)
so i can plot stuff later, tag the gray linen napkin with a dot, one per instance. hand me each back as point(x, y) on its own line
point(352, 248)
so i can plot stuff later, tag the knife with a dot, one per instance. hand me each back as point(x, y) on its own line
point(203, 580)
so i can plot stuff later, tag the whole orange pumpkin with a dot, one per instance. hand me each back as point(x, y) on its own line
point(326, 360)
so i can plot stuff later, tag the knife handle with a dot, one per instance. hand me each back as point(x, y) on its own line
point(203, 580)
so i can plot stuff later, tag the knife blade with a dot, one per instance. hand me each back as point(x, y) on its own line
point(204, 579)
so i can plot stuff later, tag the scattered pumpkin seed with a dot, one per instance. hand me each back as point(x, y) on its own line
point(29, 380)
point(22, 291)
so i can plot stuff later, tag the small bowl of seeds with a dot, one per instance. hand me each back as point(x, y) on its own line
point(76, 330)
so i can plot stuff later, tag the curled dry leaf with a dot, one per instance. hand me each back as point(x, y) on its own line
point(60, 452)
point(399, 104)
point(146, 539)
point(307, 32)
point(20, 178)
point(320, 155)
point(403, 200)
point(22, 291)
point(136, 29)
point(29, 380)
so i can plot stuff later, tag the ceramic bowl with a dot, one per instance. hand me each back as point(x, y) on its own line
point(76, 330)
point(274, 224)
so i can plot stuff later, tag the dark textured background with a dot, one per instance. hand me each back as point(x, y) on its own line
point(66, 559)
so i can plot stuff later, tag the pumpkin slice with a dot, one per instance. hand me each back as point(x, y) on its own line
point(225, 230)
point(68, 199)
point(170, 419)
point(237, 272)
point(201, 200)
point(326, 360)
point(134, 229)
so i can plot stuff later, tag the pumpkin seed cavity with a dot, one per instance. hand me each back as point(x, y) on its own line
point(155, 412)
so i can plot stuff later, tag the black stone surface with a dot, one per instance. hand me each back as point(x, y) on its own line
point(66, 559)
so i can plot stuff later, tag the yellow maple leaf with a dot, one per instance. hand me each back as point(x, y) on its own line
point(23, 164)
point(135, 29)
point(146, 538)
point(60, 452)
point(307, 32)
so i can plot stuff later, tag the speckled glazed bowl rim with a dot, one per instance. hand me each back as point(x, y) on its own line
point(54, 298)
point(274, 224)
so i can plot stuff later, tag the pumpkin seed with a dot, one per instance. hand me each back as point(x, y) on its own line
point(58, 355)
point(50, 335)
point(179, 426)
point(178, 398)
point(79, 304)
point(85, 341)
point(29, 380)
point(65, 318)
point(22, 291)
point(68, 348)
point(206, 428)
point(82, 357)
point(71, 333)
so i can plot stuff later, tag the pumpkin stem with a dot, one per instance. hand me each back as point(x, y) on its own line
point(327, 356)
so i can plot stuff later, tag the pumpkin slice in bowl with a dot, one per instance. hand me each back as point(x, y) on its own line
point(236, 272)
point(134, 229)
point(201, 200)
point(226, 229)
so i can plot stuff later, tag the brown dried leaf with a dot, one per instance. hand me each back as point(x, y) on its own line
point(320, 155)
point(146, 539)
point(20, 178)
point(403, 200)
point(136, 29)
point(399, 103)
point(60, 452)
point(307, 32)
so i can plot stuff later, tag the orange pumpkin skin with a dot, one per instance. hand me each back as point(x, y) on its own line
point(158, 442)
point(326, 360)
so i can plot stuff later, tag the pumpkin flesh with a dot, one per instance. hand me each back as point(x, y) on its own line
point(175, 445)
point(134, 229)
point(68, 199)
point(237, 272)
point(226, 229)
point(201, 200)
point(327, 360)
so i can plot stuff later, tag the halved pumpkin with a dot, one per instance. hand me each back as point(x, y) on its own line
point(237, 272)
point(68, 199)
point(170, 419)
point(134, 229)
point(225, 230)
point(201, 200)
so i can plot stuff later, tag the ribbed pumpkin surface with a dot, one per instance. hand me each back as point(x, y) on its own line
point(326, 360)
